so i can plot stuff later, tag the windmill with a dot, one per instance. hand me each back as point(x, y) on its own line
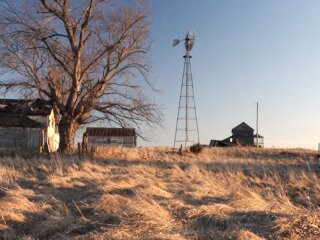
point(187, 131)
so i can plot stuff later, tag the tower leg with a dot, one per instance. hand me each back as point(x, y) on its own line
point(187, 131)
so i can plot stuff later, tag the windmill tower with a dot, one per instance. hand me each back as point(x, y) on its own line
point(187, 131)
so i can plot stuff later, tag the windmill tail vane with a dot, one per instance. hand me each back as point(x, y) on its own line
point(175, 42)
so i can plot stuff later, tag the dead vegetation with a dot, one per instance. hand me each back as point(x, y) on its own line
point(156, 193)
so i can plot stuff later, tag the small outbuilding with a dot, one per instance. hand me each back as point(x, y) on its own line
point(242, 135)
point(27, 126)
point(258, 140)
point(126, 137)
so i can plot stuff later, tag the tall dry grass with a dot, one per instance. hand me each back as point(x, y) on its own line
point(157, 193)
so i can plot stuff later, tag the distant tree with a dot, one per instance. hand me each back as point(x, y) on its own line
point(87, 56)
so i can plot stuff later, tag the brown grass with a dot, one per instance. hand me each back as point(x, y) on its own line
point(157, 193)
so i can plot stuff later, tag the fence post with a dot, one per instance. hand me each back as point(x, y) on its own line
point(92, 152)
point(47, 151)
point(79, 151)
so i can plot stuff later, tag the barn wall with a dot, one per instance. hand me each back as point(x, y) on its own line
point(128, 141)
point(40, 119)
point(244, 137)
point(20, 139)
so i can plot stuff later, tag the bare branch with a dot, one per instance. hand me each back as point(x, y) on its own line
point(88, 57)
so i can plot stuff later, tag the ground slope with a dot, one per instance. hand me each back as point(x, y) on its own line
point(155, 193)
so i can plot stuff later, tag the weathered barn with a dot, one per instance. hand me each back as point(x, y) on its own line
point(242, 135)
point(112, 136)
point(27, 126)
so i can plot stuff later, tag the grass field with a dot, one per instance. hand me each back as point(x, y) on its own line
point(155, 193)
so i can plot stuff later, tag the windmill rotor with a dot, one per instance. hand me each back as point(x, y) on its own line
point(188, 40)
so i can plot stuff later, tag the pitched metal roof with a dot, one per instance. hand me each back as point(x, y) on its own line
point(18, 120)
point(110, 132)
point(243, 125)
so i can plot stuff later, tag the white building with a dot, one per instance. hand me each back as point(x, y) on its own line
point(27, 126)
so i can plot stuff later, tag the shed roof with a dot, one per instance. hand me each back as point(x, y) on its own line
point(26, 106)
point(18, 120)
point(220, 143)
point(242, 126)
point(110, 132)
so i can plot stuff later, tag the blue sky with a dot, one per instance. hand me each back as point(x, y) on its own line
point(245, 51)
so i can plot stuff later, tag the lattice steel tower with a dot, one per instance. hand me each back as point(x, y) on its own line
point(187, 131)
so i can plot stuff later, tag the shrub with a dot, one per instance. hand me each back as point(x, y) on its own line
point(196, 148)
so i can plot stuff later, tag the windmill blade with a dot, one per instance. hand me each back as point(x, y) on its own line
point(189, 40)
point(190, 35)
point(176, 42)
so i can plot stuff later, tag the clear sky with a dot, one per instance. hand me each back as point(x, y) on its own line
point(245, 51)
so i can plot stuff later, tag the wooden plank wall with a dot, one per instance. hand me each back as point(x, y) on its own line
point(20, 139)
point(128, 141)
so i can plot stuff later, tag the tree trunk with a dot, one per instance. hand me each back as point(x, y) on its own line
point(67, 131)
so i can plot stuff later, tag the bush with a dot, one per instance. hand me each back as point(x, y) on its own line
point(196, 148)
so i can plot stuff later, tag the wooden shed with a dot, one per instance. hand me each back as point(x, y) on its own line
point(112, 136)
point(242, 135)
point(20, 134)
point(27, 126)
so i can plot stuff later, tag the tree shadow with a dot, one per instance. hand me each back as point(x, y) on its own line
point(159, 164)
point(125, 192)
point(258, 168)
point(254, 153)
point(225, 227)
point(71, 212)
point(206, 200)
point(262, 169)
point(2, 193)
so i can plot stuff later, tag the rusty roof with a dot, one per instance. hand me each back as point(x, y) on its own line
point(18, 120)
point(110, 132)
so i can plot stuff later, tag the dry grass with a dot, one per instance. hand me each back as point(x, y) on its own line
point(155, 193)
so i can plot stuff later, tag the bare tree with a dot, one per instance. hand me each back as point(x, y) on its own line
point(87, 56)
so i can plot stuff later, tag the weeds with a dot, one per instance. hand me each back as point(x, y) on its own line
point(196, 148)
point(155, 193)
